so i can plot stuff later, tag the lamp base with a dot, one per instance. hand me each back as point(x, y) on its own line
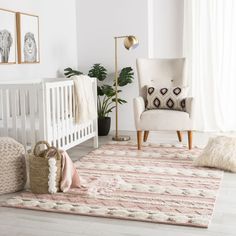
point(121, 138)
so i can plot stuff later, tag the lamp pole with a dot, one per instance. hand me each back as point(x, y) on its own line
point(116, 86)
point(129, 42)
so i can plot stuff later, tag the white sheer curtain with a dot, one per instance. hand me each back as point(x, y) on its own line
point(210, 48)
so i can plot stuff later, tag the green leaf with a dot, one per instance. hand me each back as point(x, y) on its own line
point(108, 90)
point(98, 71)
point(99, 91)
point(120, 101)
point(68, 72)
point(126, 76)
point(109, 110)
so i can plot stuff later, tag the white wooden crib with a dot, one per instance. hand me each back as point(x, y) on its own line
point(44, 111)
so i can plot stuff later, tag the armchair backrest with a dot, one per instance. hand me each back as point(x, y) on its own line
point(160, 72)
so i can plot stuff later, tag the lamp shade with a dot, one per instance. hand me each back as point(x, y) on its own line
point(130, 42)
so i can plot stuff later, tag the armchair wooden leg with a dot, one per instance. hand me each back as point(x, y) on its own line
point(145, 136)
point(139, 139)
point(179, 136)
point(190, 139)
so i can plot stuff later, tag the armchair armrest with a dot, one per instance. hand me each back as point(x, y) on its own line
point(189, 103)
point(139, 108)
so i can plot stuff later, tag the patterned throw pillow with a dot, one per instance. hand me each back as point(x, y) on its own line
point(172, 98)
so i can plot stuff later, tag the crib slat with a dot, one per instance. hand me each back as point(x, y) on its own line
point(62, 116)
point(5, 109)
point(66, 115)
point(32, 100)
point(82, 130)
point(70, 115)
point(58, 117)
point(74, 124)
point(41, 112)
point(23, 117)
point(48, 107)
point(14, 113)
point(53, 116)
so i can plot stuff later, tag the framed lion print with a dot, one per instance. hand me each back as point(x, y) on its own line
point(7, 37)
point(28, 38)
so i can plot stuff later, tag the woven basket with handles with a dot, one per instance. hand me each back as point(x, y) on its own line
point(39, 167)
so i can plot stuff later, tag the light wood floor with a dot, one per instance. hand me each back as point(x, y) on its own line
point(30, 223)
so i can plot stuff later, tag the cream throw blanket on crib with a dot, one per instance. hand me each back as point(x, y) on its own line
point(85, 107)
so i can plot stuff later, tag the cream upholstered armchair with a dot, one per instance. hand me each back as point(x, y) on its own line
point(166, 73)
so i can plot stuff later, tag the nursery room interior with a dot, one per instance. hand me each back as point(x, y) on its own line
point(117, 117)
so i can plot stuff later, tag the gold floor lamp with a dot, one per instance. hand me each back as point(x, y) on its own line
point(130, 42)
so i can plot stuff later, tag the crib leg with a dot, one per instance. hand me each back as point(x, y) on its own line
point(95, 142)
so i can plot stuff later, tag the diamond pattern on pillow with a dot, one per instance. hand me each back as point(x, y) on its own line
point(173, 98)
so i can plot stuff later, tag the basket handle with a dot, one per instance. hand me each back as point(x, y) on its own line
point(36, 149)
point(58, 154)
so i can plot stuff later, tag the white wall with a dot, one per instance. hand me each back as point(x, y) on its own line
point(58, 39)
point(99, 21)
point(167, 28)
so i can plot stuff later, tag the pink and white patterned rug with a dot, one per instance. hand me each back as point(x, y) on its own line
point(157, 184)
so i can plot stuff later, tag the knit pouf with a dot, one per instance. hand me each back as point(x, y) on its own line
point(12, 166)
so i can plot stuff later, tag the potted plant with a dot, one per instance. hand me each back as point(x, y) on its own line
point(105, 92)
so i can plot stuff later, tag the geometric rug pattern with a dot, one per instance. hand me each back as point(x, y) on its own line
point(156, 184)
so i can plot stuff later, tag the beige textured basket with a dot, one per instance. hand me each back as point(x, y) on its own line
point(12, 166)
point(39, 168)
